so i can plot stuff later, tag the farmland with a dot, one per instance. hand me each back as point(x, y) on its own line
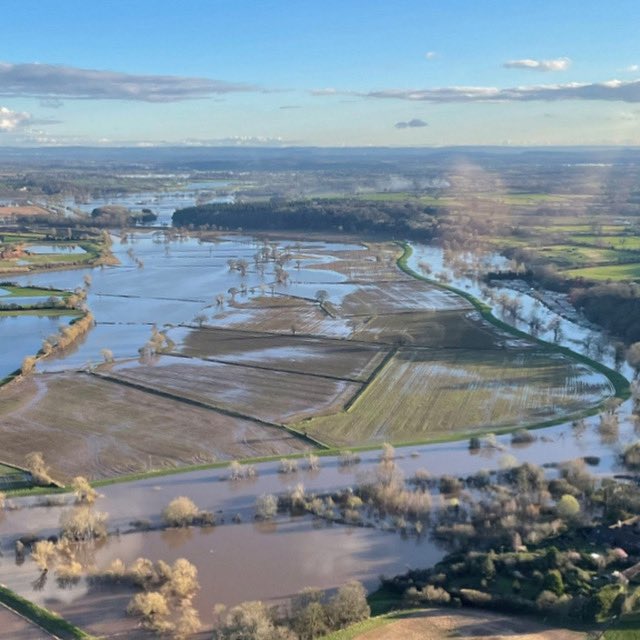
point(382, 356)
point(421, 394)
point(102, 422)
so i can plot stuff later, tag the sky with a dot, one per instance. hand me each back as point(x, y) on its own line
point(322, 73)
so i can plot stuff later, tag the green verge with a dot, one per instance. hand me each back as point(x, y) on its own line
point(44, 618)
point(618, 381)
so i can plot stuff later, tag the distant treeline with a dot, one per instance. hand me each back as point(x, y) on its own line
point(388, 219)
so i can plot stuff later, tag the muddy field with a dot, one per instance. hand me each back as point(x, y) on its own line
point(438, 624)
point(15, 627)
point(97, 428)
point(443, 329)
point(270, 395)
point(398, 297)
point(337, 358)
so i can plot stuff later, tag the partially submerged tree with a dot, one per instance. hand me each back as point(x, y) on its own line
point(83, 491)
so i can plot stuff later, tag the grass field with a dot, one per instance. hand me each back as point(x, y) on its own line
point(439, 624)
point(434, 393)
point(570, 256)
point(30, 292)
point(620, 272)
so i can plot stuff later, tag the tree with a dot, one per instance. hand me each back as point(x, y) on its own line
point(83, 491)
point(183, 581)
point(266, 506)
point(152, 607)
point(28, 365)
point(188, 622)
point(180, 512)
point(82, 523)
point(39, 471)
point(250, 621)
point(553, 582)
point(349, 605)
point(43, 554)
point(633, 356)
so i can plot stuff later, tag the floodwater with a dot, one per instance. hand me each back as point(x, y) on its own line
point(268, 561)
point(178, 281)
point(55, 248)
point(23, 335)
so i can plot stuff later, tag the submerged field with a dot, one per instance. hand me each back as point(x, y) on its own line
point(97, 428)
point(423, 394)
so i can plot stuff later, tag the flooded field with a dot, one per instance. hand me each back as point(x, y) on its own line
point(422, 393)
point(114, 429)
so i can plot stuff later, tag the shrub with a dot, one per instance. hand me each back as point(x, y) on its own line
point(288, 466)
point(553, 582)
point(522, 436)
point(568, 507)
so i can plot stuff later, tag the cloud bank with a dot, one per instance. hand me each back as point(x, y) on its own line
point(62, 82)
point(558, 64)
point(416, 122)
point(613, 90)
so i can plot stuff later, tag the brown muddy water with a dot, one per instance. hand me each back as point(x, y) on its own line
point(268, 561)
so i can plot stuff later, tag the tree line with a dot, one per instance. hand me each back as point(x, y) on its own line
point(389, 219)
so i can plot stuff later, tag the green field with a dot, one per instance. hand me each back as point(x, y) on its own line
point(620, 272)
point(570, 256)
point(31, 292)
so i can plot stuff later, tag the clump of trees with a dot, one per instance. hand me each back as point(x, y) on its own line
point(390, 219)
point(166, 603)
point(313, 614)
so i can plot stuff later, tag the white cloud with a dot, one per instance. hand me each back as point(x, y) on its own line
point(431, 55)
point(557, 64)
point(52, 82)
point(12, 120)
point(328, 91)
point(632, 68)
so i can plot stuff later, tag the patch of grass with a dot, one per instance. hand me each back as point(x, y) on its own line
point(46, 619)
point(620, 272)
point(49, 313)
point(32, 292)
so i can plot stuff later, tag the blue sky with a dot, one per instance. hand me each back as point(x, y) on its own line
point(349, 73)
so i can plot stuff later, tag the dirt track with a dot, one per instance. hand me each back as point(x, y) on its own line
point(437, 624)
